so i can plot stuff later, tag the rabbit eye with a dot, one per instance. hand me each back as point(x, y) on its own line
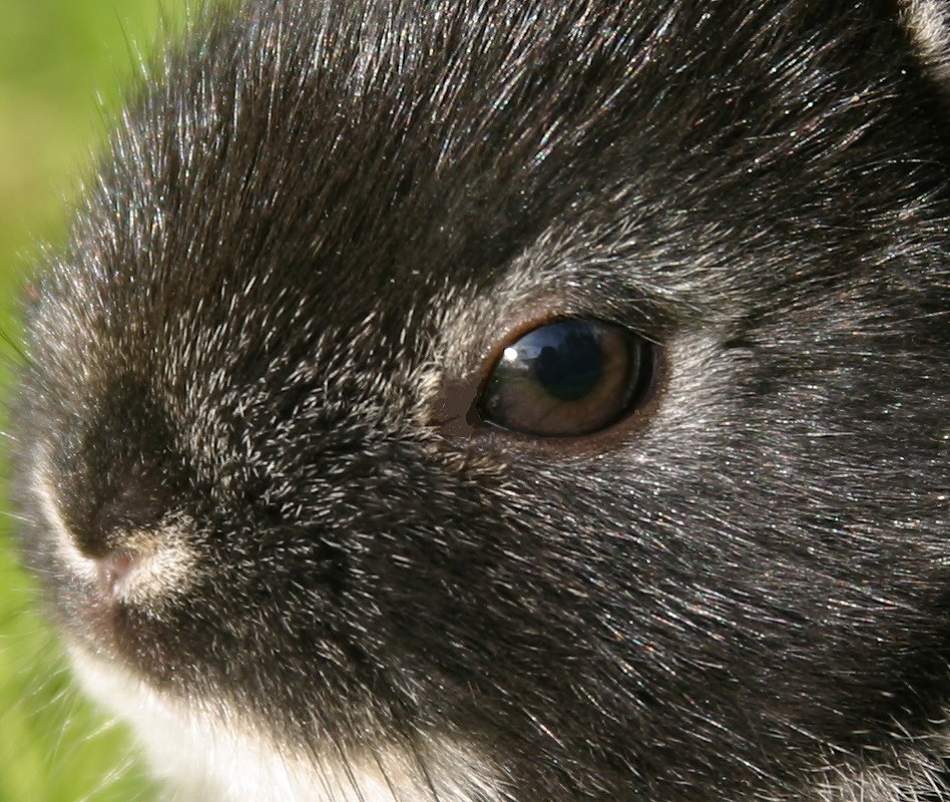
point(568, 378)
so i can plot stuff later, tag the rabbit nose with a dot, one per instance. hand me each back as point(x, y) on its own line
point(123, 507)
point(113, 571)
point(113, 470)
point(131, 548)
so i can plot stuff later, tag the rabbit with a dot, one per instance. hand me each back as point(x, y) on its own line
point(490, 401)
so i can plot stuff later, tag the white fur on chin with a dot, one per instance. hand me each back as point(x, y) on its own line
point(214, 757)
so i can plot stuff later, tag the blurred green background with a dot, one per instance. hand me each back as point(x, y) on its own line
point(62, 66)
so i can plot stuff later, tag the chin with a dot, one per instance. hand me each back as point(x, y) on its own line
point(208, 753)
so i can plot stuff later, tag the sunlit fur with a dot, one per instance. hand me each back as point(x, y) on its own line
point(317, 221)
point(928, 22)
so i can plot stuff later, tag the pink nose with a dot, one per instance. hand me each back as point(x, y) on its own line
point(113, 569)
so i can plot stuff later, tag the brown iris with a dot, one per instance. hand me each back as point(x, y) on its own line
point(567, 378)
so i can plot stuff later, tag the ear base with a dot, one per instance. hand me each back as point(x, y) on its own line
point(927, 23)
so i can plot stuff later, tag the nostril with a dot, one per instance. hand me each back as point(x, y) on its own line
point(113, 570)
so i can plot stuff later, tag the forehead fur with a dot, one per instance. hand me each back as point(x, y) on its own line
point(400, 147)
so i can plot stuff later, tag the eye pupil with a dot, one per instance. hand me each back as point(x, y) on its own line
point(571, 368)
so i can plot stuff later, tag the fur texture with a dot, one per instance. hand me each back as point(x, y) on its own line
point(317, 216)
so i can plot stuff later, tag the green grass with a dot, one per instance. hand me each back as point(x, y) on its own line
point(62, 65)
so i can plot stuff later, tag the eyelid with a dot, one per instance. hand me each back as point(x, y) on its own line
point(473, 326)
point(455, 409)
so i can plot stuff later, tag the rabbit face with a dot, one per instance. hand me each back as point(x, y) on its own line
point(320, 514)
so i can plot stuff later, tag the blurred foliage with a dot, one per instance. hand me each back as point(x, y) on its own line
point(62, 66)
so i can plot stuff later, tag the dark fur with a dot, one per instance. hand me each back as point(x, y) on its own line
point(747, 597)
